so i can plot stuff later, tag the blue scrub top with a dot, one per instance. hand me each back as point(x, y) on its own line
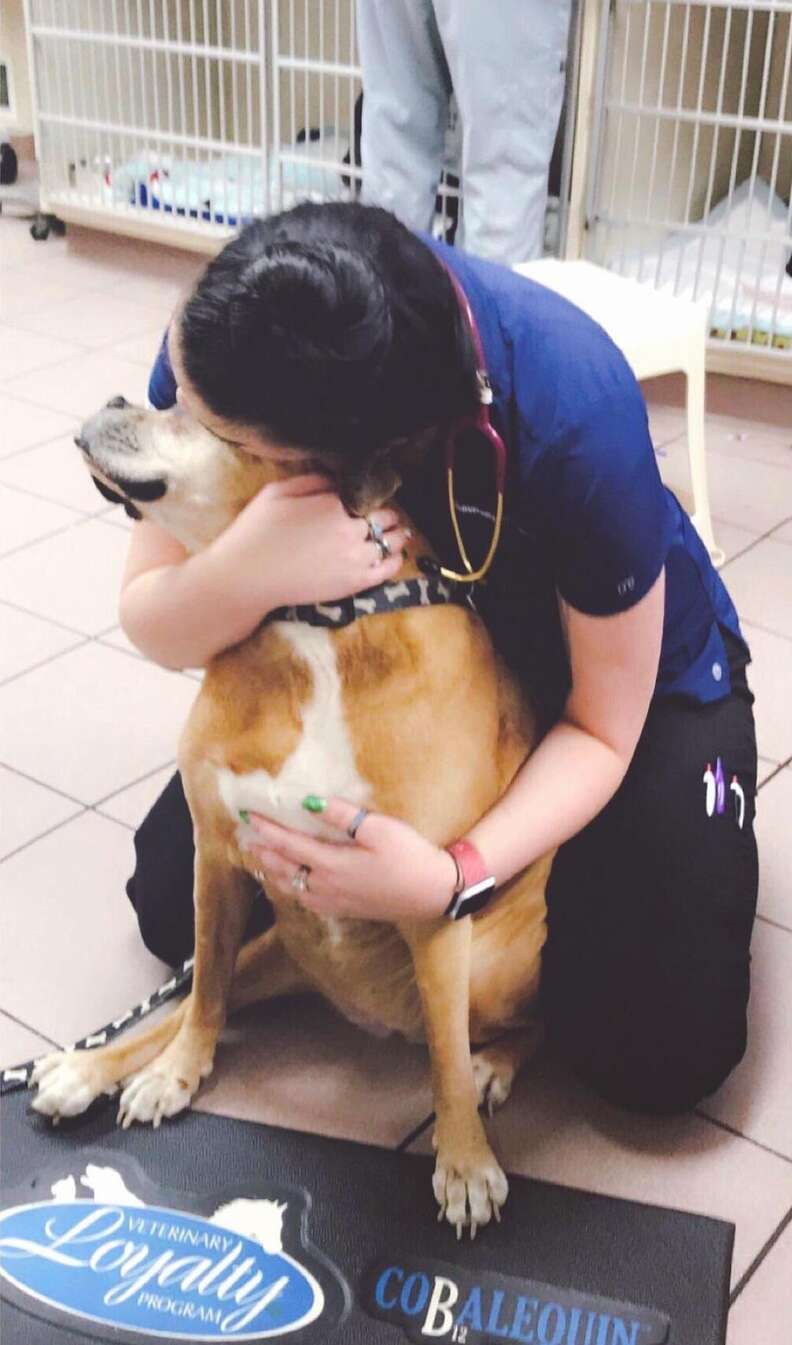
point(586, 514)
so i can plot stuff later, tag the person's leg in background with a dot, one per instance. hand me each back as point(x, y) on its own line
point(161, 888)
point(646, 970)
point(406, 89)
point(507, 64)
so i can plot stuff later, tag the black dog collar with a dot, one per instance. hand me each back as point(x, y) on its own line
point(425, 591)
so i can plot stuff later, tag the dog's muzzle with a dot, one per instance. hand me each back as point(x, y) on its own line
point(109, 431)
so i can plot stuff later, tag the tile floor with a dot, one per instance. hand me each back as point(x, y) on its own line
point(80, 320)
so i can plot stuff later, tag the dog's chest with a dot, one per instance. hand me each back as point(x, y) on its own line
point(324, 760)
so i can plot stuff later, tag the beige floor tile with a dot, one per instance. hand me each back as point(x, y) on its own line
point(54, 471)
point(762, 1315)
point(28, 810)
point(20, 249)
point(295, 1063)
point(732, 541)
point(26, 640)
point(131, 805)
point(141, 349)
point(784, 533)
point(18, 1044)
point(27, 289)
point(665, 423)
point(97, 319)
point(116, 516)
point(93, 721)
point(757, 1098)
point(760, 583)
point(144, 273)
point(765, 769)
point(25, 518)
point(63, 896)
point(752, 495)
point(774, 836)
point(73, 577)
point(553, 1130)
point(79, 387)
point(770, 677)
point(119, 640)
point(752, 440)
point(23, 425)
point(21, 350)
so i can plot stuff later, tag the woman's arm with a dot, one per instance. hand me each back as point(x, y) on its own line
point(392, 873)
point(579, 766)
point(292, 543)
point(176, 608)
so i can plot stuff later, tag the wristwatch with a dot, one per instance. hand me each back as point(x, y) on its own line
point(474, 886)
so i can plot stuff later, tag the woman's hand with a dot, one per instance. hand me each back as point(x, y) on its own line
point(389, 872)
point(295, 543)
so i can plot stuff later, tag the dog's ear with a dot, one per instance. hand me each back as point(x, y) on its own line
point(364, 486)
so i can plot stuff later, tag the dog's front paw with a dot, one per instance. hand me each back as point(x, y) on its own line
point(68, 1082)
point(163, 1089)
point(469, 1186)
point(151, 1095)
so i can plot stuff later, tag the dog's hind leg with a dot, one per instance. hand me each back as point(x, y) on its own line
point(165, 1087)
point(468, 1182)
point(496, 1065)
point(264, 970)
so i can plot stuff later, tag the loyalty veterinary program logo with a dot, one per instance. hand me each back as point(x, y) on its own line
point(432, 1301)
point(94, 1250)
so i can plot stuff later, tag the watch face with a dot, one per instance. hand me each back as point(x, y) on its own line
point(474, 898)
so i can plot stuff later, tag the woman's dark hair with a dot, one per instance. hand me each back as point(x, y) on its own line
point(329, 327)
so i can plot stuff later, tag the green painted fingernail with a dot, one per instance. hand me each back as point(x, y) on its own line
point(313, 804)
point(244, 814)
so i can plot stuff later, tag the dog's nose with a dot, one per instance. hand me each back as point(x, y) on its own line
point(117, 404)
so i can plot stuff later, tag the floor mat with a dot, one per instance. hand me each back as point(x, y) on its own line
point(211, 1229)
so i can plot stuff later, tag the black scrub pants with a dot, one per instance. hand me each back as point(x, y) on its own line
point(646, 970)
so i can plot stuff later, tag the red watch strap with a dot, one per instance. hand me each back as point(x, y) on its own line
point(470, 863)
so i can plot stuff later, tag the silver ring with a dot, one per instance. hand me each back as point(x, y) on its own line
point(375, 531)
point(300, 879)
point(356, 823)
point(376, 534)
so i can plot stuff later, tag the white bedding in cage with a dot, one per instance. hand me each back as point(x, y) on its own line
point(738, 274)
point(230, 188)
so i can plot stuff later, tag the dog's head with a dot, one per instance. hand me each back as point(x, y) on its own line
point(166, 466)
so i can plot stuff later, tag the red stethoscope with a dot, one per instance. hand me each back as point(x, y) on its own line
point(482, 423)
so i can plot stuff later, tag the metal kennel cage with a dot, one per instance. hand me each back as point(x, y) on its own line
point(691, 169)
point(151, 115)
point(177, 119)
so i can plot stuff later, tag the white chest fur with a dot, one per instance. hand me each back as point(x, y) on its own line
point(323, 762)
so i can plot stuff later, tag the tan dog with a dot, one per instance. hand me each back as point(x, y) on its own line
point(378, 713)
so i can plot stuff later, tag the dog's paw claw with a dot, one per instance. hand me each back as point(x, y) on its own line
point(493, 1077)
point(67, 1083)
point(152, 1095)
point(469, 1194)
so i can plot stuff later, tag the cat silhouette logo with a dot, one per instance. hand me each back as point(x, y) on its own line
point(106, 1248)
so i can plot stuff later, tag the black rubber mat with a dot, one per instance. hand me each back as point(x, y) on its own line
point(215, 1229)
